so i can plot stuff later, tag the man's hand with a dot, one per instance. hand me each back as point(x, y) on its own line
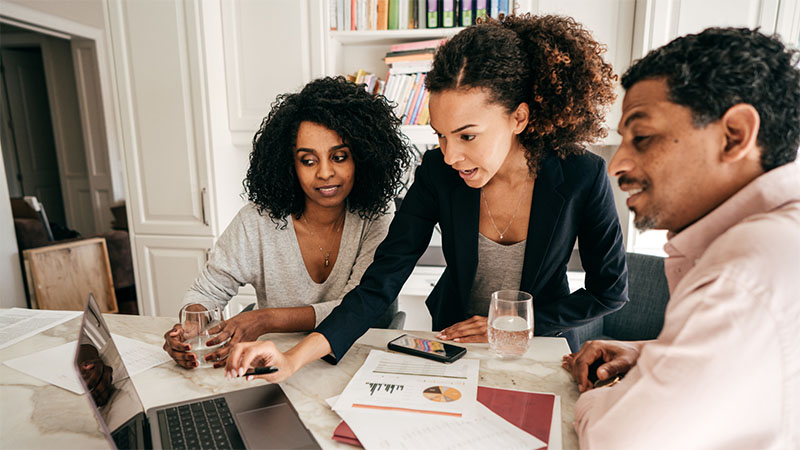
point(618, 357)
point(243, 327)
point(470, 330)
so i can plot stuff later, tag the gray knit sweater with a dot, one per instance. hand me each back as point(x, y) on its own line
point(252, 251)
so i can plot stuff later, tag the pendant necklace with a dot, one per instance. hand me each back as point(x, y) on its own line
point(519, 202)
point(326, 254)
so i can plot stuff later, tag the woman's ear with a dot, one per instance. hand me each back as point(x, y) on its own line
point(741, 124)
point(520, 117)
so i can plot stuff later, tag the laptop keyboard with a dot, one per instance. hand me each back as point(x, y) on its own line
point(202, 425)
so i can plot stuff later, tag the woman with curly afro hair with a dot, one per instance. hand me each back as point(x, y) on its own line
point(511, 187)
point(324, 170)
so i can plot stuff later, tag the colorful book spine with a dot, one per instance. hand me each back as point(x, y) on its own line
point(502, 8)
point(418, 101)
point(448, 14)
point(466, 13)
point(433, 14)
point(384, 11)
point(424, 115)
point(409, 103)
point(480, 10)
point(493, 9)
point(353, 15)
point(419, 45)
point(402, 13)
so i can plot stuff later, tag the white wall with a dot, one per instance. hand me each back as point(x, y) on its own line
point(86, 12)
point(12, 293)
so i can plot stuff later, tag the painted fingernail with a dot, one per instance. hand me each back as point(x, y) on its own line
point(250, 378)
point(242, 371)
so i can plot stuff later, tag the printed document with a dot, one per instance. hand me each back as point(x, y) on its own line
point(17, 324)
point(56, 365)
point(409, 384)
point(397, 431)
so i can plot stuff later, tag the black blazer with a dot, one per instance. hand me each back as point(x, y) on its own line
point(572, 198)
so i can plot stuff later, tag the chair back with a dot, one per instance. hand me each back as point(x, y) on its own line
point(643, 316)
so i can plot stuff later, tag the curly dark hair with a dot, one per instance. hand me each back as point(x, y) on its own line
point(549, 62)
point(365, 122)
point(718, 68)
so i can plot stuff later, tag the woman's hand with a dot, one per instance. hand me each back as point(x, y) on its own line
point(245, 355)
point(618, 356)
point(175, 345)
point(470, 330)
point(243, 327)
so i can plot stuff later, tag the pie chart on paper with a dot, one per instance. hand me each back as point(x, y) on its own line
point(441, 394)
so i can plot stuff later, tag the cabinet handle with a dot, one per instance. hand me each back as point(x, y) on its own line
point(203, 205)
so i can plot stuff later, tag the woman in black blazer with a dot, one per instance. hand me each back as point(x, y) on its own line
point(511, 102)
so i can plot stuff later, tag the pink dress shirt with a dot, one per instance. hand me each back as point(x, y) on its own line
point(725, 370)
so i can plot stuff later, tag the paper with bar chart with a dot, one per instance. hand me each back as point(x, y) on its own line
point(393, 382)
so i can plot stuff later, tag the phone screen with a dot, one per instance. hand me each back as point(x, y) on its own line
point(428, 346)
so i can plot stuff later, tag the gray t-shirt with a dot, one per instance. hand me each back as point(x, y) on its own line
point(253, 251)
point(499, 267)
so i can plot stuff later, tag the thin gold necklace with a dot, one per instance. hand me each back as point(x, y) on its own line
point(516, 210)
point(327, 254)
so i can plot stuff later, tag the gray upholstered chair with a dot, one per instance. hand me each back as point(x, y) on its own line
point(392, 319)
point(643, 316)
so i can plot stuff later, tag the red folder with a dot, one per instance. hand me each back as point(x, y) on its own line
point(530, 411)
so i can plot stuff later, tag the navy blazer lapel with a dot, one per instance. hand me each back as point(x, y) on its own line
point(545, 215)
point(465, 217)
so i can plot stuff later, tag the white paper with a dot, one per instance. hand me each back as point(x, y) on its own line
point(17, 324)
point(389, 430)
point(56, 365)
point(394, 382)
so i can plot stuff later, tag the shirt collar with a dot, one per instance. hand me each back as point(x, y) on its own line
point(765, 193)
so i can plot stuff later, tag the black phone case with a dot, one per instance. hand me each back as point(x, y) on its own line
point(415, 352)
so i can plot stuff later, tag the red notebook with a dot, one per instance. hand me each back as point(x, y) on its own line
point(529, 411)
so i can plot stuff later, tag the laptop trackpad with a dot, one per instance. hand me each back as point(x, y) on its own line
point(274, 426)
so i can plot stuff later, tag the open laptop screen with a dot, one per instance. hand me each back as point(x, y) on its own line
point(104, 377)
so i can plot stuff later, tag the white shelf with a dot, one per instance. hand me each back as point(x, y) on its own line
point(384, 37)
point(420, 134)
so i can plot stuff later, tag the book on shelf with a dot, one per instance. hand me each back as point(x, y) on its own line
point(411, 14)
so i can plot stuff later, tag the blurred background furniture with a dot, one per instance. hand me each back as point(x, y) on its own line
point(61, 276)
point(643, 316)
point(31, 234)
point(392, 319)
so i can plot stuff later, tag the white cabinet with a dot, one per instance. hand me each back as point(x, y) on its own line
point(271, 47)
point(167, 267)
point(161, 87)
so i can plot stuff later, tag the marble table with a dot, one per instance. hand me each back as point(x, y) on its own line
point(34, 414)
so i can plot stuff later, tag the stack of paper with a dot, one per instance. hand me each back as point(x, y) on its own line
point(403, 402)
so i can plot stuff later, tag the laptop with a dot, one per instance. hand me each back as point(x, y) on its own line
point(257, 417)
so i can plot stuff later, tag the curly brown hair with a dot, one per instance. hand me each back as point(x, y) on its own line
point(549, 62)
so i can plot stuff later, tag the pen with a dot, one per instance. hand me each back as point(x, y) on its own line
point(261, 370)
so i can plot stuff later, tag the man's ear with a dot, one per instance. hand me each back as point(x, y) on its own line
point(741, 124)
point(521, 116)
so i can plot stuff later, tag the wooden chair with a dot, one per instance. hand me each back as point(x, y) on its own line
point(61, 276)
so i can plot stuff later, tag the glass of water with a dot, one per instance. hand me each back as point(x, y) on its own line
point(196, 321)
point(510, 323)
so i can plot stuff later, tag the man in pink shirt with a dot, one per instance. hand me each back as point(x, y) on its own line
point(710, 131)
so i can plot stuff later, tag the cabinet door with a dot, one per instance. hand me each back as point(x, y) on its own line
point(271, 47)
point(158, 56)
point(660, 21)
point(167, 267)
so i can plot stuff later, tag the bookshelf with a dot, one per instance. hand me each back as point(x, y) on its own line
point(349, 51)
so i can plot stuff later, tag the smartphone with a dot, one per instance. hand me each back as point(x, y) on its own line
point(426, 348)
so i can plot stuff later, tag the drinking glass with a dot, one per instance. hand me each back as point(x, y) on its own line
point(196, 321)
point(510, 323)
